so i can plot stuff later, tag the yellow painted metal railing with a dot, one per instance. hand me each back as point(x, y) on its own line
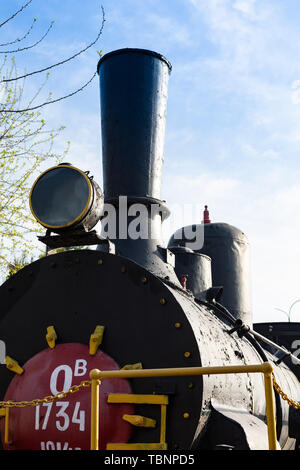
point(5, 413)
point(266, 368)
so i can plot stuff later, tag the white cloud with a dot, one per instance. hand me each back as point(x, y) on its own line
point(295, 95)
point(171, 29)
point(270, 154)
point(270, 218)
point(255, 152)
point(246, 6)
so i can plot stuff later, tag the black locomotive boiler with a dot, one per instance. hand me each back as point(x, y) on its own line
point(130, 302)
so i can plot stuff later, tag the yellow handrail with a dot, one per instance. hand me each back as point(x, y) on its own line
point(94, 412)
point(4, 412)
point(266, 368)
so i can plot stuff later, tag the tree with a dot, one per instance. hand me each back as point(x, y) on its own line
point(25, 144)
point(47, 68)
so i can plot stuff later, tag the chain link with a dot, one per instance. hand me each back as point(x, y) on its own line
point(49, 399)
point(284, 396)
point(87, 383)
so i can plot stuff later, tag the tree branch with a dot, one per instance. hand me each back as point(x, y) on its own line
point(65, 60)
point(15, 14)
point(20, 49)
point(51, 101)
point(20, 39)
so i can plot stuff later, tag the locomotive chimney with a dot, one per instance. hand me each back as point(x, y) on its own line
point(133, 93)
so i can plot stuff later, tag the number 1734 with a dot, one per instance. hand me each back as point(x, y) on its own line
point(62, 418)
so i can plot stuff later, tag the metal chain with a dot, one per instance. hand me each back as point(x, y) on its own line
point(284, 396)
point(87, 383)
point(49, 399)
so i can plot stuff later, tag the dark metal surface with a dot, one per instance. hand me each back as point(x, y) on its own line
point(197, 267)
point(147, 251)
point(216, 346)
point(294, 424)
point(289, 383)
point(228, 249)
point(286, 334)
point(136, 51)
point(79, 238)
point(134, 89)
point(231, 428)
point(77, 290)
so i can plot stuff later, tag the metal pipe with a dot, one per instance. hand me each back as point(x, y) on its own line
point(133, 94)
point(6, 432)
point(274, 345)
point(177, 371)
point(94, 411)
point(133, 89)
point(270, 411)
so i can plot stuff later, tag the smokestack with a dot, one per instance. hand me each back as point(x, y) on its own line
point(133, 93)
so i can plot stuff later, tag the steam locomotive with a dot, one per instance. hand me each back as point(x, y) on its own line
point(130, 302)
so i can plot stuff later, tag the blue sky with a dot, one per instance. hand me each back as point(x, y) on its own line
point(233, 123)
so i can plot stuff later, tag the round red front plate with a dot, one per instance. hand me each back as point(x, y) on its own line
point(64, 424)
